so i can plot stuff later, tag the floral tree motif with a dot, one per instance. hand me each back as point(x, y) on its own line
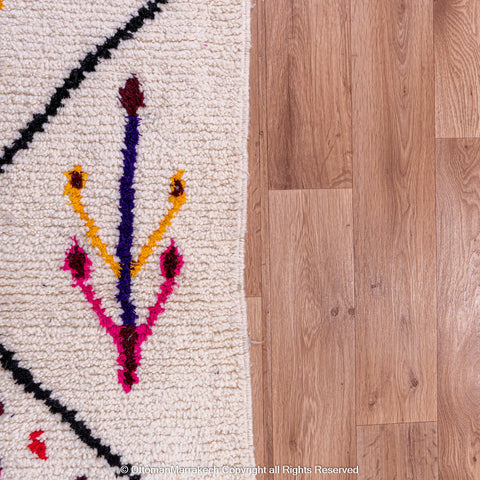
point(129, 336)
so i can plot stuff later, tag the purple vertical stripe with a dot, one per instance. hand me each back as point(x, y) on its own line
point(127, 202)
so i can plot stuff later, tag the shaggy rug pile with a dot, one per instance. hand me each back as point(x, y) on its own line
point(123, 339)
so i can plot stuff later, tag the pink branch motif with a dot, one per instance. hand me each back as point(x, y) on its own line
point(127, 338)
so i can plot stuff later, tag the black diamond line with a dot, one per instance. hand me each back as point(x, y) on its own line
point(76, 77)
point(24, 377)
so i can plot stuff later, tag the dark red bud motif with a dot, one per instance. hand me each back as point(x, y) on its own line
point(76, 262)
point(131, 96)
point(177, 188)
point(76, 180)
point(171, 261)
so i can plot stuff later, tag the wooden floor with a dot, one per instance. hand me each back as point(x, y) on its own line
point(363, 244)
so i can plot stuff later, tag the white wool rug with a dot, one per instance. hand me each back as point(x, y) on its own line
point(123, 149)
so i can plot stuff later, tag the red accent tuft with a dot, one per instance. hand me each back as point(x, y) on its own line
point(36, 446)
point(131, 96)
point(83, 477)
point(2, 408)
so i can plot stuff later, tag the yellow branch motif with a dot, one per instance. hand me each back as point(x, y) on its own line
point(73, 188)
point(178, 198)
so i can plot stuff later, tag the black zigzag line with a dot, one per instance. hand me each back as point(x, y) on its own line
point(24, 377)
point(76, 77)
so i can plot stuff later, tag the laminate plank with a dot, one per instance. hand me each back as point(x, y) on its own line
point(312, 328)
point(399, 451)
point(308, 93)
point(265, 229)
point(457, 68)
point(253, 238)
point(458, 254)
point(255, 329)
point(394, 211)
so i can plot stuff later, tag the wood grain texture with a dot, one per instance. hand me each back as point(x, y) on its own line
point(394, 210)
point(256, 147)
point(312, 328)
point(256, 336)
point(457, 67)
point(308, 93)
point(259, 76)
point(398, 452)
point(458, 236)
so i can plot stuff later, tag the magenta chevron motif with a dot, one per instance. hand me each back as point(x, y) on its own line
point(129, 336)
